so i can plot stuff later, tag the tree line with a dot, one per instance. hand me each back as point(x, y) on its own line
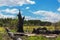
point(37, 22)
point(9, 22)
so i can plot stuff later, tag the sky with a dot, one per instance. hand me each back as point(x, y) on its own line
point(44, 10)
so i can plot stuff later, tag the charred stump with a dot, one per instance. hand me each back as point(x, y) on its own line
point(20, 23)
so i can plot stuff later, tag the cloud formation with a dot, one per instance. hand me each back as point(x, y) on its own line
point(7, 16)
point(11, 11)
point(27, 7)
point(58, 9)
point(15, 2)
point(48, 15)
point(59, 1)
point(7, 12)
point(31, 18)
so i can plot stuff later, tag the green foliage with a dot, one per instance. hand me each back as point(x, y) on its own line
point(58, 23)
point(1, 36)
point(37, 22)
point(9, 22)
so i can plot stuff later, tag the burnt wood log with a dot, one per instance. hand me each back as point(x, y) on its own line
point(11, 35)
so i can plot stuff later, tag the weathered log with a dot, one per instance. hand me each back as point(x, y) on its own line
point(11, 35)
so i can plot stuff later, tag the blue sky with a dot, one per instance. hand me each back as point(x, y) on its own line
point(45, 10)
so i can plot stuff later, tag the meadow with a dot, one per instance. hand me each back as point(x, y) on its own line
point(27, 29)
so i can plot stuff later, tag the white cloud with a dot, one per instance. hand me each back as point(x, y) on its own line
point(48, 15)
point(30, 2)
point(11, 11)
point(15, 2)
point(27, 7)
point(6, 13)
point(59, 1)
point(1, 15)
point(58, 9)
point(31, 18)
point(7, 16)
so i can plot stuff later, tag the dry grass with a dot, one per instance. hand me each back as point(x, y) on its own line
point(30, 28)
point(4, 35)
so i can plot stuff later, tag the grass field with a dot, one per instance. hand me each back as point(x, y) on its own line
point(30, 28)
point(4, 36)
